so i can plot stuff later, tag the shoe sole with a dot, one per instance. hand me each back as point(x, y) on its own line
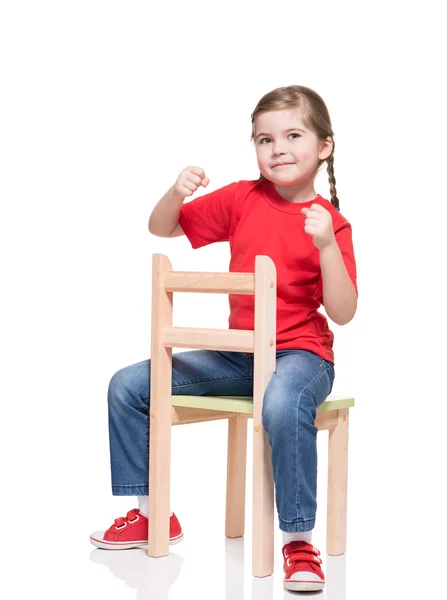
point(128, 546)
point(303, 586)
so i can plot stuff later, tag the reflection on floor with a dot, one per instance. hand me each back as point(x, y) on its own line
point(153, 577)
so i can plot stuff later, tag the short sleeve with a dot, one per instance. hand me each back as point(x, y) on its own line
point(207, 219)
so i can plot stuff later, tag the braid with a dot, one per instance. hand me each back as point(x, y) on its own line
point(330, 171)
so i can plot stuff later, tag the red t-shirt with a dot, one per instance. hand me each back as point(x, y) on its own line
point(255, 219)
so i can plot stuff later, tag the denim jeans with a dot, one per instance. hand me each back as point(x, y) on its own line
point(301, 382)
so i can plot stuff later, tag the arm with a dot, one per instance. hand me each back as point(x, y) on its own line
point(339, 295)
point(164, 218)
point(165, 215)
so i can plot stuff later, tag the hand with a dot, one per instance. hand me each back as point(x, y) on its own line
point(318, 224)
point(189, 180)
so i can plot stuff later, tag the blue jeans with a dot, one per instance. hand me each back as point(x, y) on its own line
point(301, 382)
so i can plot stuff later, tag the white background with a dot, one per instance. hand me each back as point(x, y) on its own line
point(102, 104)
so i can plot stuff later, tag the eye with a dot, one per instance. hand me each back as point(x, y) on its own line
point(262, 140)
point(297, 135)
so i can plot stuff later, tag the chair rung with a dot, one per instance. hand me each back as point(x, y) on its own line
point(236, 340)
point(217, 283)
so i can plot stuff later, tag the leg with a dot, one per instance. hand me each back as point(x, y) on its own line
point(201, 372)
point(301, 383)
point(337, 485)
point(197, 372)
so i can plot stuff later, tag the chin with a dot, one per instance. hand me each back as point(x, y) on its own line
point(284, 181)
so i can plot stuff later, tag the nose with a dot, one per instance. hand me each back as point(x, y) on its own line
point(277, 147)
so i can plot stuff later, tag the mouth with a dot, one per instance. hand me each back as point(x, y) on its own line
point(281, 165)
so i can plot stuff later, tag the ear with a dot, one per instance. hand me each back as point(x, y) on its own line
point(326, 147)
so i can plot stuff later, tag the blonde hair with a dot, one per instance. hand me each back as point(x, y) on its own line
point(315, 116)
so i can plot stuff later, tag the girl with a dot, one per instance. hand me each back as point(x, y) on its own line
point(310, 242)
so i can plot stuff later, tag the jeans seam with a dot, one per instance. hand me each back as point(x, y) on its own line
point(128, 485)
point(298, 441)
point(249, 366)
point(297, 520)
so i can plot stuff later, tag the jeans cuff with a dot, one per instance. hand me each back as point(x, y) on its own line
point(297, 526)
point(130, 490)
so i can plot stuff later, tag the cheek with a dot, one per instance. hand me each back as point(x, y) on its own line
point(308, 154)
point(304, 157)
point(261, 155)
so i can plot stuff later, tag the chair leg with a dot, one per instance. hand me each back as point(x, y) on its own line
point(264, 367)
point(337, 485)
point(160, 413)
point(263, 505)
point(236, 475)
point(159, 480)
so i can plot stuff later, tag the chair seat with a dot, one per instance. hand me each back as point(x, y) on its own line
point(244, 404)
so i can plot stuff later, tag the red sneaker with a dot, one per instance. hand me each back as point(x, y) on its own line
point(302, 567)
point(131, 532)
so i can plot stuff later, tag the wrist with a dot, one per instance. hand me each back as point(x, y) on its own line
point(176, 195)
point(330, 247)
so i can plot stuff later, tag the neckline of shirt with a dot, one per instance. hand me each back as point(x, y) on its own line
point(272, 197)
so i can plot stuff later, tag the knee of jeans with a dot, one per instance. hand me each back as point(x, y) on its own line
point(272, 411)
point(266, 419)
point(120, 390)
point(117, 386)
point(281, 412)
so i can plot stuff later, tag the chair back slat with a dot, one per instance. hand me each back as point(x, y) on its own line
point(232, 340)
point(210, 283)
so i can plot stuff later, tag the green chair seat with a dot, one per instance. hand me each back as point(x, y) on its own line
point(244, 404)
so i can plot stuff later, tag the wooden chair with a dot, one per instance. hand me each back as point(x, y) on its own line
point(168, 410)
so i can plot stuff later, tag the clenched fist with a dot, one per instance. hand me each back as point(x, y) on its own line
point(318, 224)
point(189, 180)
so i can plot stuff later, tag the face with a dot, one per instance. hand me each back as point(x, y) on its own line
point(288, 152)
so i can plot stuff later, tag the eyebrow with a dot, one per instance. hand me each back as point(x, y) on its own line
point(285, 131)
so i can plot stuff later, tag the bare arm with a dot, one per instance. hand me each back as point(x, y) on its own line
point(163, 220)
point(165, 215)
point(339, 295)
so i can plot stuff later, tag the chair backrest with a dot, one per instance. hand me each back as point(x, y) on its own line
point(261, 341)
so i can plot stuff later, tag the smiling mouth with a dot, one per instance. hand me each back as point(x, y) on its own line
point(282, 165)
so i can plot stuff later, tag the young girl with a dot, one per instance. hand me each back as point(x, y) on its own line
point(310, 242)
